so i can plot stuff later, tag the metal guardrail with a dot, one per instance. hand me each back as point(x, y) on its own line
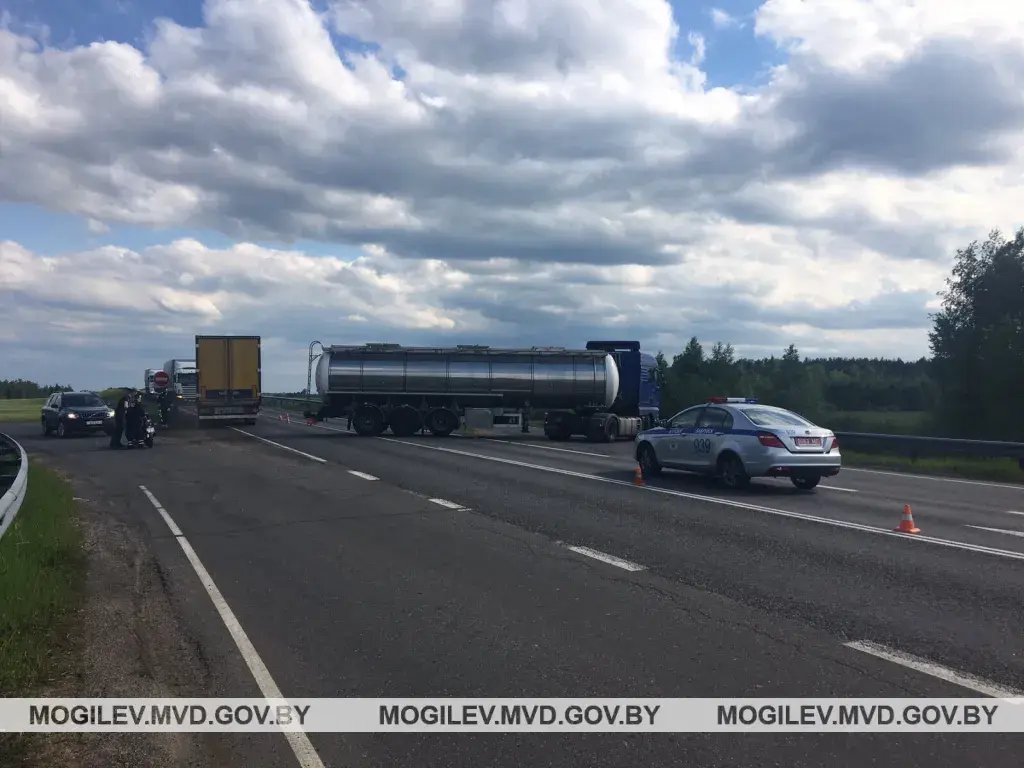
point(909, 446)
point(13, 480)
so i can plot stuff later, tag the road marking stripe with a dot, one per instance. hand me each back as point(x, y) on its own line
point(728, 502)
point(936, 670)
point(298, 740)
point(279, 445)
point(446, 503)
point(837, 488)
point(1011, 512)
point(362, 475)
point(936, 478)
point(551, 448)
point(618, 562)
point(996, 530)
point(1009, 554)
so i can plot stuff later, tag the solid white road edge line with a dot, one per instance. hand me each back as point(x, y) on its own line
point(837, 488)
point(298, 740)
point(937, 670)
point(937, 478)
point(618, 562)
point(446, 503)
point(996, 530)
point(362, 475)
point(279, 445)
point(727, 502)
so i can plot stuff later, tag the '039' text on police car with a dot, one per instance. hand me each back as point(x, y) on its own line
point(735, 439)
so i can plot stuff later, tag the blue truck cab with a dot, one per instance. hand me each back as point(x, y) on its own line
point(637, 406)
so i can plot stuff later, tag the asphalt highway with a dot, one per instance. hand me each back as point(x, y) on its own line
point(427, 567)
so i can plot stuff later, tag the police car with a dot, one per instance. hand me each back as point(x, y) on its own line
point(737, 438)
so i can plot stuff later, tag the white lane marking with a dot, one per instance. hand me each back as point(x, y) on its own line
point(362, 475)
point(279, 445)
point(618, 562)
point(1011, 512)
point(550, 448)
point(446, 503)
point(936, 670)
point(728, 503)
point(297, 739)
point(937, 478)
point(996, 530)
point(837, 488)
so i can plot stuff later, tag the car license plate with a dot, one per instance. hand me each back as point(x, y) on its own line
point(228, 411)
point(808, 441)
point(94, 423)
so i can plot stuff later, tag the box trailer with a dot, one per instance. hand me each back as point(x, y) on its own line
point(230, 386)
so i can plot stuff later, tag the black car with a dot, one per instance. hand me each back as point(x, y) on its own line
point(73, 413)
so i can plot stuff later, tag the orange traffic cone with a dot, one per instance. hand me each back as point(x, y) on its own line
point(309, 422)
point(638, 477)
point(280, 417)
point(907, 523)
point(288, 418)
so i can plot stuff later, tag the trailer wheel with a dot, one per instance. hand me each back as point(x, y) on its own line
point(442, 422)
point(405, 421)
point(368, 421)
point(611, 430)
point(560, 433)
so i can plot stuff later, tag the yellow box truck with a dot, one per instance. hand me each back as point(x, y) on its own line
point(230, 384)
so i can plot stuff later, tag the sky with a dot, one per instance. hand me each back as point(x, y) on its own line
point(503, 172)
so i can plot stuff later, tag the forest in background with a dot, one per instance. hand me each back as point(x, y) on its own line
point(972, 386)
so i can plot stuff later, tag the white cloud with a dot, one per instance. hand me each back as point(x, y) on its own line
point(724, 20)
point(542, 168)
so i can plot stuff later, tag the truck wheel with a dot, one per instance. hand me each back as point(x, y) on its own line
point(611, 430)
point(805, 482)
point(368, 421)
point(405, 421)
point(560, 433)
point(442, 422)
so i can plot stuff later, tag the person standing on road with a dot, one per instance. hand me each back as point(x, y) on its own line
point(115, 438)
point(164, 398)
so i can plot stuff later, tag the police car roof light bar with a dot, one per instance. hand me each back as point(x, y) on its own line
point(750, 400)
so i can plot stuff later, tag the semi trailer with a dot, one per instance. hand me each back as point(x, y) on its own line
point(183, 378)
point(149, 387)
point(230, 379)
point(609, 390)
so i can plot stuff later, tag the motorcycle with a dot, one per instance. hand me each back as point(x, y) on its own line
point(148, 431)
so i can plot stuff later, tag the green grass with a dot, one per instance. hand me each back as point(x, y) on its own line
point(21, 410)
point(879, 422)
point(41, 566)
point(997, 470)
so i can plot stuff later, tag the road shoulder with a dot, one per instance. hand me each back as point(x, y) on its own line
point(124, 640)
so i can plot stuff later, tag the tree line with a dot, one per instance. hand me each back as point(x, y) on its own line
point(972, 386)
point(20, 389)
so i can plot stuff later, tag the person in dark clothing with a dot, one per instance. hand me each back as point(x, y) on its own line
point(133, 418)
point(164, 399)
point(115, 438)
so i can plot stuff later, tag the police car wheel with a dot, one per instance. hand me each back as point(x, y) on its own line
point(805, 482)
point(732, 473)
point(648, 461)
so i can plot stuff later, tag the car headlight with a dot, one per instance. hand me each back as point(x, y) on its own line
point(71, 415)
point(111, 414)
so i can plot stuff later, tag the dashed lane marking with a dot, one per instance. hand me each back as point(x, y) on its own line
point(996, 530)
point(937, 478)
point(618, 562)
point(280, 445)
point(362, 475)
point(297, 739)
point(446, 503)
point(937, 670)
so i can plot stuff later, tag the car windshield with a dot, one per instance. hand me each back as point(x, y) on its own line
point(775, 417)
point(81, 401)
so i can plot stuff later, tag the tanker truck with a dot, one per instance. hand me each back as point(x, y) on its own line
point(608, 391)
